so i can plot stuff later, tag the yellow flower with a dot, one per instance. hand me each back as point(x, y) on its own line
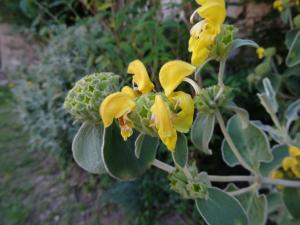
point(278, 5)
point(293, 162)
point(117, 106)
point(170, 76)
point(184, 118)
point(173, 73)
point(140, 76)
point(203, 33)
point(294, 151)
point(278, 175)
point(162, 118)
point(260, 52)
point(289, 162)
point(212, 10)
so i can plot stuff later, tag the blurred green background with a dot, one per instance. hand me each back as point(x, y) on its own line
point(46, 46)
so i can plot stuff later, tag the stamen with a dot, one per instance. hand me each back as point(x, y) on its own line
point(193, 84)
point(192, 17)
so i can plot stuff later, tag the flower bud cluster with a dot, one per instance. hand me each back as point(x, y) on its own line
point(205, 101)
point(83, 100)
point(189, 186)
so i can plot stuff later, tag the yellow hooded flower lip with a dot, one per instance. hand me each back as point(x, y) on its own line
point(294, 151)
point(203, 33)
point(289, 162)
point(213, 11)
point(184, 118)
point(130, 92)
point(140, 76)
point(115, 105)
point(173, 73)
point(162, 118)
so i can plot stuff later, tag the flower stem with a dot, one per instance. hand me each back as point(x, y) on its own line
point(221, 179)
point(264, 180)
point(286, 183)
point(227, 179)
point(221, 79)
point(163, 166)
point(230, 141)
point(243, 190)
point(290, 18)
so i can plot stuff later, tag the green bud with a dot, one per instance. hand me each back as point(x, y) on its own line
point(141, 116)
point(224, 41)
point(205, 100)
point(263, 69)
point(189, 187)
point(269, 52)
point(297, 21)
point(84, 99)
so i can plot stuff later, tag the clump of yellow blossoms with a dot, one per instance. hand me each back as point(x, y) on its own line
point(280, 5)
point(290, 166)
point(170, 111)
point(203, 33)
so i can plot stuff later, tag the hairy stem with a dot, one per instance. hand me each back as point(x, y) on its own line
point(264, 180)
point(290, 18)
point(221, 179)
point(243, 190)
point(221, 79)
point(230, 141)
point(163, 166)
point(227, 179)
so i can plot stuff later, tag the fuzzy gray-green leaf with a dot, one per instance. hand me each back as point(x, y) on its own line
point(221, 209)
point(279, 153)
point(291, 198)
point(202, 131)
point(86, 148)
point(242, 113)
point(119, 155)
point(180, 155)
point(292, 113)
point(251, 143)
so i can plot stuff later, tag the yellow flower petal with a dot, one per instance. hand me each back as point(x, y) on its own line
point(213, 11)
point(172, 74)
point(296, 171)
point(202, 2)
point(277, 174)
point(115, 106)
point(184, 119)
point(140, 76)
point(278, 5)
point(294, 151)
point(130, 92)
point(260, 52)
point(202, 38)
point(289, 162)
point(162, 118)
point(199, 57)
point(126, 127)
